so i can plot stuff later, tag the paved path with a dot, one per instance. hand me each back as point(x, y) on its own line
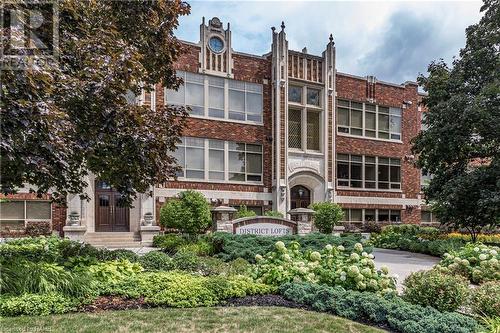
point(403, 263)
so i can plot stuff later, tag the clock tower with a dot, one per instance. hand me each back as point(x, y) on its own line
point(216, 52)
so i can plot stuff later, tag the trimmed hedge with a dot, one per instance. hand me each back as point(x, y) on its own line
point(35, 304)
point(230, 247)
point(387, 311)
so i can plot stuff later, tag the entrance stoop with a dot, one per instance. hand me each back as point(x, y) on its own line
point(114, 240)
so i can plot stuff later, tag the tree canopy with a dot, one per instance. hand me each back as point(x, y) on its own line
point(61, 123)
point(461, 145)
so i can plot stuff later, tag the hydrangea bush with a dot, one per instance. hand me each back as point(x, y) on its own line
point(333, 266)
point(477, 262)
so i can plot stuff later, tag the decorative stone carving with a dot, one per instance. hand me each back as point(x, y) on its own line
point(73, 219)
point(75, 232)
point(148, 219)
point(304, 164)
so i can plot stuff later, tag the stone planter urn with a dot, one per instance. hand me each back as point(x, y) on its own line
point(148, 219)
point(74, 218)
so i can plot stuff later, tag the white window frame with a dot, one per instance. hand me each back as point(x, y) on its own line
point(364, 128)
point(363, 174)
point(304, 108)
point(226, 88)
point(347, 219)
point(226, 164)
point(25, 219)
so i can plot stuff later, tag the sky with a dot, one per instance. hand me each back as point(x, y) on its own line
point(392, 40)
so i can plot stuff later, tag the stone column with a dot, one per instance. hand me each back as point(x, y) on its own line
point(75, 227)
point(222, 216)
point(148, 228)
point(304, 218)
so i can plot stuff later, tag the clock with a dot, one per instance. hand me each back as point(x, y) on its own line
point(216, 44)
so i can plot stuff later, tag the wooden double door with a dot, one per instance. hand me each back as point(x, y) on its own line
point(300, 197)
point(110, 214)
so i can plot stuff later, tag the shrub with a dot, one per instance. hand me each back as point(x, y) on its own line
point(326, 216)
point(409, 237)
point(169, 243)
point(433, 288)
point(229, 247)
point(121, 254)
point(490, 325)
point(485, 299)
point(477, 262)
point(190, 262)
point(273, 213)
point(113, 271)
point(35, 304)
point(21, 276)
point(178, 289)
point(243, 211)
point(38, 228)
point(493, 239)
point(156, 261)
point(389, 310)
point(190, 213)
point(372, 226)
point(200, 248)
point(238, 266)
point(332, 266)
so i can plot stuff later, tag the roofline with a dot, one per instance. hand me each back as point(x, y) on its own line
point(234, 52)
point(402, 85)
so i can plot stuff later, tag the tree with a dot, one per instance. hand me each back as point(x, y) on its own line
point(243, 211)
point(461, 145)
point(190, 213)
point(62, 122)
point(326, 216)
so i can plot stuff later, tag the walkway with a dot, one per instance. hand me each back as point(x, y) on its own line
point(403, 263)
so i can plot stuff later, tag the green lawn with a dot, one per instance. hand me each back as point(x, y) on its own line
point(237, 319)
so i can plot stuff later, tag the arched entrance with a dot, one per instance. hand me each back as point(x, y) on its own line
point(300, 197)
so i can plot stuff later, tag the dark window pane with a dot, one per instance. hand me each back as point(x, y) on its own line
point(395, 216)
point(342, 170)
point(370, 172)
point(383, 215)
point(356, 171)
point(313, 96)
point(395, 174)
point(295, 94)
point(369, 214)
point(383, 173)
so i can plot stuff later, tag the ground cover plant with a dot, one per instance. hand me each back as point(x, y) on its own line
point(388, 311)
point(332, 266)
point(229, 247)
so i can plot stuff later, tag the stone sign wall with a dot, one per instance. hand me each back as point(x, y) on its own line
point(264, 226)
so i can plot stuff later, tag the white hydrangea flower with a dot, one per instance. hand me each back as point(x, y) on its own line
point(328, 247)
point(358, 247)
point(371, 256)
point(493, 253)
point(279, 245)
point(315, 256)
point(287, 257)
point(476, 249)
point(343, 278)
point(258, 257)
point(353, 270)
point(483, 256)
point(493, 261)
point(354, 256)
point(364, 254)
point(384, 269)
point(340, 248)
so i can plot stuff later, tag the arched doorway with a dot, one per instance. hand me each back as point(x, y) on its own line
point(300, 197)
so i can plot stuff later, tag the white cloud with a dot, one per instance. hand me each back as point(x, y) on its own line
point(392, 40)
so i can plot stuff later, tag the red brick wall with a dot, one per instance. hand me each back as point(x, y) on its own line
point(387, 95)
point(58, 212)
point(246, 68)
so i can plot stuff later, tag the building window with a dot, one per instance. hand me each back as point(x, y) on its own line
point(368, 172)
point(369, 120)
point(205, 159)
point(426, 216)
point(206, 96)
point(313, 130)
point(355, 215)
point(304, 118)
point(295, 94)
point(15, 213)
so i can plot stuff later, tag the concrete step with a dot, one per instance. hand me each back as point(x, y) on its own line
point(119, 245)
point(113, 239)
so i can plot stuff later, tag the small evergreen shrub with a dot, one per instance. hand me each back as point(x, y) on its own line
point(38, 228)
point(326, 216)
point(243, 211)
point(200, 248)
point(156, 261)
point(189, 213)
point(389, 310)
point(122, 254)
point(485, 299)
point(433, 288)
point(273, 213)
point(169, 243)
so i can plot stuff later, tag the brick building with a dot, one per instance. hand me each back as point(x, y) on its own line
point(276, 132)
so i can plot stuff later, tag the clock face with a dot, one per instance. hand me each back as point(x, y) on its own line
point(216, 44)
